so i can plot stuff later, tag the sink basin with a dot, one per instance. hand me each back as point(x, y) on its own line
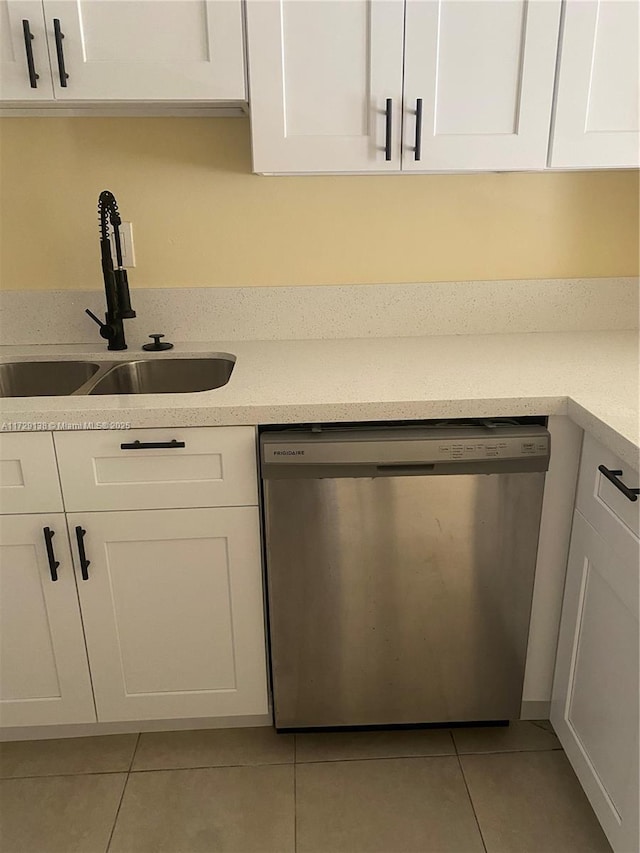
point(44, 378)
point(165, 376)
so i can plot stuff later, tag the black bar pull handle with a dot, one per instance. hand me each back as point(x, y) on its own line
point(388, 126)
point(418, 149)
point(84, 563)
point(59, 35)
point(152, 445)
point(28, 48)
point(612, 476)
point(405, 470)
point(53, 563)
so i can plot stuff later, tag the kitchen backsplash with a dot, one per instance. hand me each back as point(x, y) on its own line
point(346, 311)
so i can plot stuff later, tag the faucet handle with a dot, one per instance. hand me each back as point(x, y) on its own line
point(106, 331)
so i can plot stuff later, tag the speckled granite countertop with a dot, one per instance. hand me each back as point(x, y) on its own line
point(591, 376)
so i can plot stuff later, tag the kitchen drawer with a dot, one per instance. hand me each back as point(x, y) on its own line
point(171, 468)
point(28, 473)
point(601, 503)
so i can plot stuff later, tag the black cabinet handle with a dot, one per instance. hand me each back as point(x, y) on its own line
point(84, 563)
point(387, 139)
point(59, 35)
point(31, 66)
point(152, 445)
point(53, 563)
point(612, 476)
point(418, 149)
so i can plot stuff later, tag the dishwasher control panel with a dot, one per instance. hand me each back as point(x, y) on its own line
point(497, 449)
point(404, 446)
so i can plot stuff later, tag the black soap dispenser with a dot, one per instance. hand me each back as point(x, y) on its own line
point(157, 345)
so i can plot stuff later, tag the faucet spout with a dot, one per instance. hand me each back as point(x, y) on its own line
point(116, 285)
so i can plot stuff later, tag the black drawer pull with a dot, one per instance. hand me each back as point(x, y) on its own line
point(84, 563)
point(612, 477)
point(59, 35)
point(418, 149)
point(388, 125)
point(53, 563)
point(31, 66)
point(152, 445)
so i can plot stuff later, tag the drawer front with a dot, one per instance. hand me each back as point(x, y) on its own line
point(28, 473)
point(607, 508)
point(158, 468)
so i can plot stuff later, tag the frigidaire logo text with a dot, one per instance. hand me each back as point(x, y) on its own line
point(288, 452)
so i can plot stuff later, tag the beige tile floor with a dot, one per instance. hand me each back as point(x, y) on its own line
point(486, 790)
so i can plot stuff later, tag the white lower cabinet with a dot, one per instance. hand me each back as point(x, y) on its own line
point(44, 676)
point(595, 695)
point(151, 612)
point(173, 611)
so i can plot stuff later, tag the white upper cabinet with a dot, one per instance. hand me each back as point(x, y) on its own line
point(24, 59)
point(596, 121)
point(126, 50)
point(322, 75)
point(478, 83)
point(471, 82)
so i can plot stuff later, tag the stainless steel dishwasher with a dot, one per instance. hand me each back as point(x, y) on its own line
point(400, 567)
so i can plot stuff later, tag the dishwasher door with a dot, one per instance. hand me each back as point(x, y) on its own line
point(400, 599)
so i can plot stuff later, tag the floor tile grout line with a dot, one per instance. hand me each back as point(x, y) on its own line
point(65, 775)
point(135, 750)
point(124, 788)
point(210, 767)
point(115, 819)
point(277, 763)
point(453, 740)
point(473, 808)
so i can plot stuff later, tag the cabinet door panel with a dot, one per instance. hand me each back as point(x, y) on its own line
point(596, 120)
point(141, 50)
point(595, 696)
point(173, 612)
point(44, 676)
point(28, 473)
point(320, 74)
point(15, 83)
point(484, 72)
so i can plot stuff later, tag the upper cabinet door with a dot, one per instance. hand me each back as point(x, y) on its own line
point(321, 75)
point(482, 72)
point(598, 95)
point(146, 49)
point(24, 59)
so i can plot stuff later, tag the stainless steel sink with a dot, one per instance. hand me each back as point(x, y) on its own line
point(165, 376)
point(44, 378)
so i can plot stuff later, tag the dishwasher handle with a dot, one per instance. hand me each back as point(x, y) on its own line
point(406, 469)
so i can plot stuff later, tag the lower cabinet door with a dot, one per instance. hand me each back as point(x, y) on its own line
point(44, 676)
point(595, 695)
point(172, 606)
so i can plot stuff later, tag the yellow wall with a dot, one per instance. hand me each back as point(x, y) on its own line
point(201, 218)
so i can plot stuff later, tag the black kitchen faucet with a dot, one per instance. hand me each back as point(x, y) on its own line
point(116, 286)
